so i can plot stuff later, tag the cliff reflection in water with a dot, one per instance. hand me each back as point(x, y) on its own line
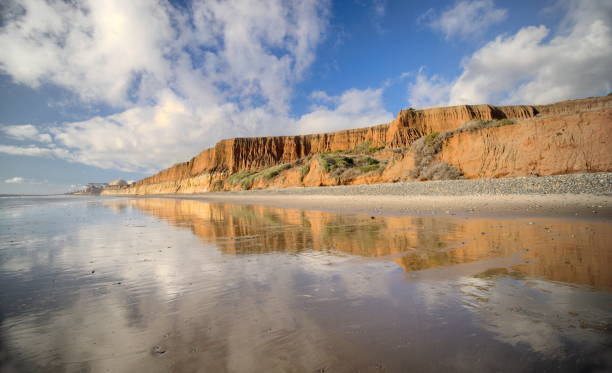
point(553, 249)
point(99, 285)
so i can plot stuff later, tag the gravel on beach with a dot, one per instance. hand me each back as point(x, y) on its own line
point(599, 184)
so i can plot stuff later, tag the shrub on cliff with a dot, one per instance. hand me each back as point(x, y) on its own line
point(426, 147)
point(343, 168)
point(425, 150)
point(477, 124)
point(304, 169)
point(244, 179)
point(333, 162)
point(368, 164)
point(274, 171)
point(440, 171)
point(366, 147)
point(431, 138)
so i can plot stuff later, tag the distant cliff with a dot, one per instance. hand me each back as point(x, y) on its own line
point(471, 141)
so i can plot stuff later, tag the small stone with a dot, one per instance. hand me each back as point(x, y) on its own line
point(159, 350)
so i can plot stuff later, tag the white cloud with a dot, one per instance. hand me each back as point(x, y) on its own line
point(428, 91)
point(15, 180)
point(353, 108)
point(94, 48)
point(21, 180)
point(181, 79)
point(466, 19)
point(321, 97)
point(147, 138)
point(25, 132)
point(105, 50)
point(379, 9)
point(35, 151)
point(532, 67)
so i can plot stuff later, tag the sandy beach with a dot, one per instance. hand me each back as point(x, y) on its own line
point(577, 195)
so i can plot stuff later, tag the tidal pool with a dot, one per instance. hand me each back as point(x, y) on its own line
point(173, 285)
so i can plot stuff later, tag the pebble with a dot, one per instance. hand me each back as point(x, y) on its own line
point(589, 183)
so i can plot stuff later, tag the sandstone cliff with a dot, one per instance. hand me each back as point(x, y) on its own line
point(554, 145)
point(569, 136)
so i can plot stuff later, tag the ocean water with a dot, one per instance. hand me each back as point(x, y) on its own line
point(93, 284)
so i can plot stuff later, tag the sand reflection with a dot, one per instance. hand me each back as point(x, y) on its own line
point(159, 285)
point(553, 249)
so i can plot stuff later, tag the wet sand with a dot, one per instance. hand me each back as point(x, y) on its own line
point(556, 205)
point(184, 285)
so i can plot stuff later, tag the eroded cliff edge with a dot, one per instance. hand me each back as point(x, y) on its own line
point(469, 141)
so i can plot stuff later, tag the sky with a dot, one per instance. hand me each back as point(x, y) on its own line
point(92, 91)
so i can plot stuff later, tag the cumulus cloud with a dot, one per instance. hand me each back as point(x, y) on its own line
point(321, 97)
point(532, 66)
point(428, 91)
point(146, 138)
point(94, 48)
point(35, 151)
point(118, 52)
point(15, 180)
point(465, 19)
point(353, 108)
point(21, 180)
point(25, 132)
point(181, 79)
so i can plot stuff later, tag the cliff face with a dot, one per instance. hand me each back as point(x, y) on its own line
point(241, 154)
point(412, 124)
point(568, 136)
point(550, 146)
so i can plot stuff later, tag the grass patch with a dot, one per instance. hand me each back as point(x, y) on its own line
point(431, 138)
point(370, 168)
point(367, 164)
point(272, 172)
point(366, 147)
point(340, 166)
point(304, 169)
point(344, 168)
point(367, 161)
point(238, 177)
point(478, 124)
point(216, 186)
point(332, 162)
point(244, 179)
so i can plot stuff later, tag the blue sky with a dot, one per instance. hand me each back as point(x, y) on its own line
point(111, 89)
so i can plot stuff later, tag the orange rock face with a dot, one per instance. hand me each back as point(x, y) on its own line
point(569, 136)
point(551, 146)
point(412, 124)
